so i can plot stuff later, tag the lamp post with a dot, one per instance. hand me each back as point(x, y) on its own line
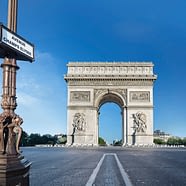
point(10, 66)
point(14, 168)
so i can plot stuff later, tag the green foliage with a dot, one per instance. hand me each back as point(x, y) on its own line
point(24, 139)
point(36, 139)
point(101, 141)
point(184, 141)
point(159, 141)
point(175, 141)
point(171, 141)
point(62, 139)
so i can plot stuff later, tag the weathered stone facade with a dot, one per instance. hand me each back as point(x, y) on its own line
point(128, 84)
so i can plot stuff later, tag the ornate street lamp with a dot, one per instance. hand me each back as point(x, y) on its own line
point(14, 169)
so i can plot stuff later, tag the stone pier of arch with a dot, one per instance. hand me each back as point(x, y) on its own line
point(128, 84)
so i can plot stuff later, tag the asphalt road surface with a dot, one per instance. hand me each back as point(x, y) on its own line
point(106, 166)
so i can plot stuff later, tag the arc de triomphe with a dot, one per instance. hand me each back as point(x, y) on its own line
point(128, 84)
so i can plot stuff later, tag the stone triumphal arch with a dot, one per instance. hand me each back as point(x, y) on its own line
point(128, 84)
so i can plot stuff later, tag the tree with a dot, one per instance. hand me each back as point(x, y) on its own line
point(62, 139)
point(117, 143)
point(101, 141)
point(174, 141)
point(24, 139)
point(34, 139)
point(48, 139)
point(159, 141)
point(37, 139)
point(184, 141)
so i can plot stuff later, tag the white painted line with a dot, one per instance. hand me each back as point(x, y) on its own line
point(123, 173)
point(95, 172)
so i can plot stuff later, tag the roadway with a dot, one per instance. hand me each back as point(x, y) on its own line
point(53, 166)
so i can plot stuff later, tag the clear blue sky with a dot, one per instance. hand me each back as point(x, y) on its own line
point(100, 30)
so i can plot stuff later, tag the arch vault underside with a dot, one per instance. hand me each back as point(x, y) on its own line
point(91, 84)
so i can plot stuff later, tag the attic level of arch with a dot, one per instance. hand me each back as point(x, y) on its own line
point(110, 68)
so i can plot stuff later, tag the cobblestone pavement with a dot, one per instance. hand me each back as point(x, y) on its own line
point(74, 166)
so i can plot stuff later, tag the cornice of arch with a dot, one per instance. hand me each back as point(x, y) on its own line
point(110, 82)
point(110, 77)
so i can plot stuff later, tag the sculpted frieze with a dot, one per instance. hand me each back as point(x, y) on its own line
point(98, 92)
point(122, 92)
point(139, 96)
point(108, 82)
point(83, 96)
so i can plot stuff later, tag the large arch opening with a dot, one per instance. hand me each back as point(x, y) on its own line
point(110, 124)
point(110, 120)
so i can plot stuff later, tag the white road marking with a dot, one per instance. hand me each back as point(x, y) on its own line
point(123, 173)
point(96, 170)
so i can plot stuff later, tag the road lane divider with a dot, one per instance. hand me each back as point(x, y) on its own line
point(95, 172)
point(124, 175)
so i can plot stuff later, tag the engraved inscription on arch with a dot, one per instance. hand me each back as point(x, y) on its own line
point(139, 96)
point(80, 96)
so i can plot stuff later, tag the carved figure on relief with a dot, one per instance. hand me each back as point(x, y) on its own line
point(79, 122)
point(139, 122)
